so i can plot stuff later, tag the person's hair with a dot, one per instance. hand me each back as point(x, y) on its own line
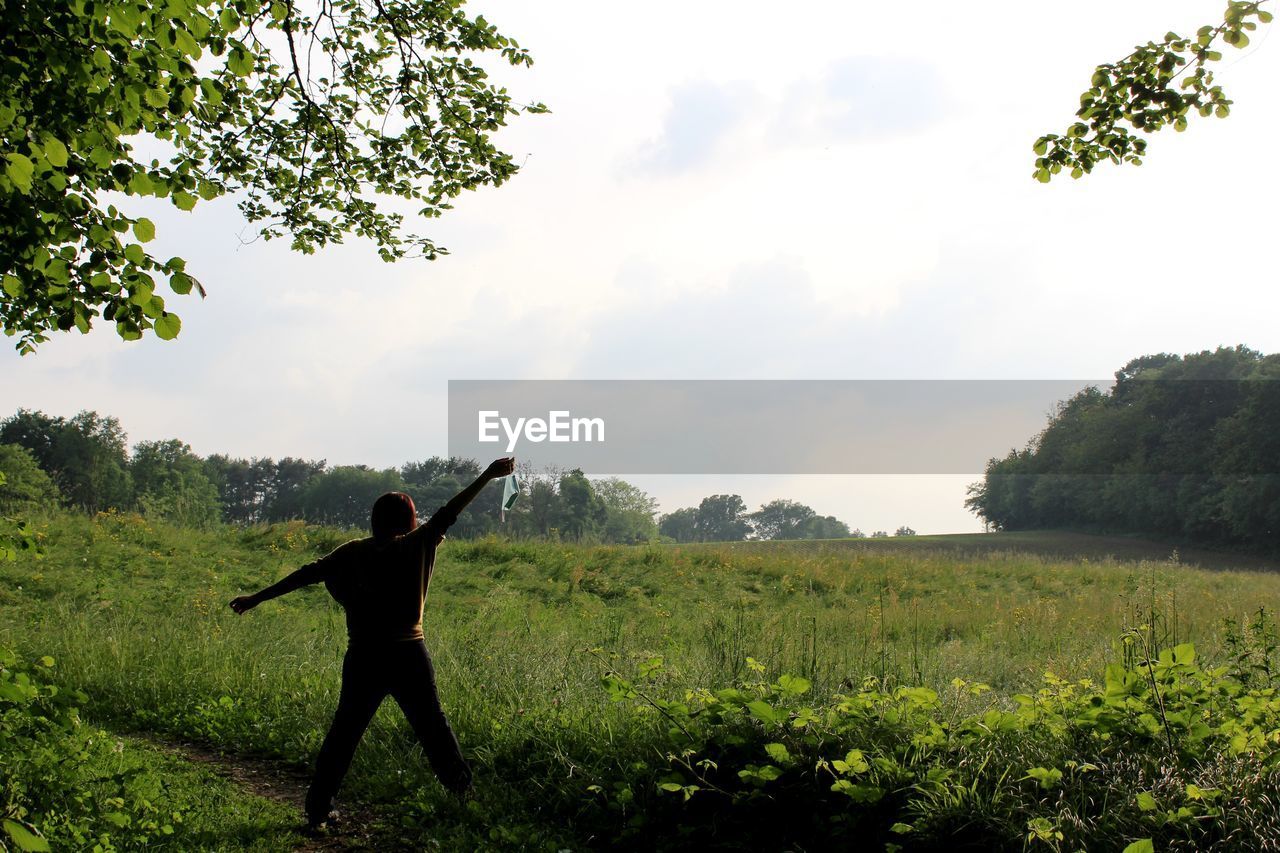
point(393, 515)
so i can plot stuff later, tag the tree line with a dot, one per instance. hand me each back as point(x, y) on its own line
point(724, 518)
point(85, 462)
point(1184, 447)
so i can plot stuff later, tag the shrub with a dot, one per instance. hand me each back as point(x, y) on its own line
point(58, 785)
point(1162, 749)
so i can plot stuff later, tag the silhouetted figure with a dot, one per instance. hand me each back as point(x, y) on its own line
point(381, 583)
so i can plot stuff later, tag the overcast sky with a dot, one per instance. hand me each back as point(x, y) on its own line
point(734, 190)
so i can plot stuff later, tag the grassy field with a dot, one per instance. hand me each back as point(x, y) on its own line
point(580, 679)
point(1060, 544)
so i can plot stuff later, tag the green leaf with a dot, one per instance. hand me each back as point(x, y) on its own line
point(1146, 801)
point(13, 286)
point(764, 712)
point(141, 294)
point(854, 762)
point(240, 62)
point(25, 838)
point(793, 685)
point(1143, 845)
point(184, 200)
point(167, 326)
point(187, 44)
point(140, 184)
point(778, 753)
point(144, 229)
point(55, 152)
point(1047, 778)
point(858, 792)
point(230, 20)
point(156, 97)
point(135, 254)
point(180, 282)
point(20, 170)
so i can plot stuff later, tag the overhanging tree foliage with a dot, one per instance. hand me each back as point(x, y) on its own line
point(1161, 83)
point(315, 113)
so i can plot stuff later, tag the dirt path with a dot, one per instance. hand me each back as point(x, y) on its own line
point(282, 783)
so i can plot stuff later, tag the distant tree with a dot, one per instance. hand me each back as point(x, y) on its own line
point(1249, 497)
point(581, 513)
point(432, 482)
point(429, 496)
point(288, 487)
point(538, 510)
point(629, 511)
point(85, 456)
point(857, 534)
point(680, 525)
point(880, 534)
point(1181, 447)
point(823, 527)
point(343, 496)
point(171, 483)
point(722, 518)
point(37, 432)
point(422, 474)
point(904, 531)
point(780, 519)
point(24, 484)
point(243, 486)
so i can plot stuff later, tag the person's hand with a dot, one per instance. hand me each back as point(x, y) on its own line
point(500, 468)
point(243, 603)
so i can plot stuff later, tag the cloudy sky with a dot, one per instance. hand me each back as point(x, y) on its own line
point(735, 190)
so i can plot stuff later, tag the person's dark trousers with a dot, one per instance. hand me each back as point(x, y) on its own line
point(369, 673)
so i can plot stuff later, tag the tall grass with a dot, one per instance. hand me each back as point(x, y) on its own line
point(135, 612)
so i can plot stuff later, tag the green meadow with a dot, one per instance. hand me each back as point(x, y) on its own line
point(1006, 691)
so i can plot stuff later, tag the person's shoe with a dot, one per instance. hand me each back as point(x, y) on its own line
point(322, 824)
point(463, 794)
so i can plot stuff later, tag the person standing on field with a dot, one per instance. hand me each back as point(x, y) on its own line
point(381, 582)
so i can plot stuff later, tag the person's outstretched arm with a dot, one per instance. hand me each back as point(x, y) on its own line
point(304, 576)
point(448, 514)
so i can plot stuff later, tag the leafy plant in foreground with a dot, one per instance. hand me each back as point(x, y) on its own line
point(55, 781)
point(1162, 749)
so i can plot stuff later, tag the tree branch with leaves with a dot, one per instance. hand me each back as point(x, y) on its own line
point(320, 118)
point(1161, 83)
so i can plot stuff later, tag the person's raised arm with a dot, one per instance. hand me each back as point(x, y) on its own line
point(444, 519)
